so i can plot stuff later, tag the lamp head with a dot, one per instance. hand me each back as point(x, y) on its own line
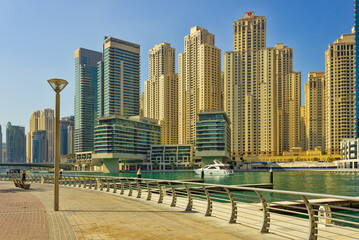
point(57, 84)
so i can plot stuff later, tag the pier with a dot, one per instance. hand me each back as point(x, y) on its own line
point(253, 213)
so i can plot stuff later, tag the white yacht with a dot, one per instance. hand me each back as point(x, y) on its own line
point(217, 168)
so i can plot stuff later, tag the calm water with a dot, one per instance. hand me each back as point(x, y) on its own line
point(346, 184)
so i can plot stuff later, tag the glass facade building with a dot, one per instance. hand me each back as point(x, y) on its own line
point(129, 138)
point(39, 147)
point(15, 143)
point(67, 135)
point(119, 79)
point(213, 136)
point(85, 98)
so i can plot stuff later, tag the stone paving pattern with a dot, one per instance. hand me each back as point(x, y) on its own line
point(88, 214)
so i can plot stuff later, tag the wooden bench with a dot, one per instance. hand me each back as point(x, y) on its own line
point(19, 183)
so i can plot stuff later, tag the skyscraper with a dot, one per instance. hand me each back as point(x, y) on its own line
point(119, 78)
point(161, 92)
point(85, 98)
point(42, 120)
point(314, 103)
point(67, 135)
point(339, 92)
point(199, 77)
point(39, 147)
point(15, 143)
point(260, 87)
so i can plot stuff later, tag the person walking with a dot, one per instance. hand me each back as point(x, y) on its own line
point(23, 176)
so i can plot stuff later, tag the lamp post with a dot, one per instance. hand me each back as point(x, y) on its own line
point(58, 85)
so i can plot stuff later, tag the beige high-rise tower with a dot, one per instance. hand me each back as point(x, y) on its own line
point(294, 100)
point(42, 120)
point(199, 77)
point(314, 102)
point(339, 92)
point(258, 91)
point(160, 98)
point(303, 128)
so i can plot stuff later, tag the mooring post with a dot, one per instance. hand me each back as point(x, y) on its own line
point(202, 174)
point(271, 176)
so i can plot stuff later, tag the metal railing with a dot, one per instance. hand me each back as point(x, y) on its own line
point(287, 213)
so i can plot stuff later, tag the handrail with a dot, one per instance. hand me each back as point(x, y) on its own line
point(224, 201)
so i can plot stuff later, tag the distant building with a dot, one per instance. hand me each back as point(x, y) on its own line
point(339, 92)
point(314, 102)
point(39, 147)
point(213, 136)
point(119, 79)
point(3, 153)
point(169, 156)
point(125, 140)
point(85, 98)
point(15, 143)
point(67, 135)
point(42, 120)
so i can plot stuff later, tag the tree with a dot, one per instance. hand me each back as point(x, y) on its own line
point(71, 156)
point(173, 164)
point(155, 164)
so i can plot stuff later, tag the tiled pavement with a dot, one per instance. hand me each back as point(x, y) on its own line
point(89, 214)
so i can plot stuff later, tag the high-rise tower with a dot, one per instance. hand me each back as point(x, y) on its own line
point(85, 98)
point(15, 143)
point(42, 120)
point(119, 78)
point(339, 92)
point(199, 77)
point(314, 105)
point(356, 30)
point(161, 91)
point(259, 90)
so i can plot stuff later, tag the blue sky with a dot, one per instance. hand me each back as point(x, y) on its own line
point(39, 37)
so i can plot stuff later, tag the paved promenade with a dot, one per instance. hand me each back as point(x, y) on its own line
point(87, 214)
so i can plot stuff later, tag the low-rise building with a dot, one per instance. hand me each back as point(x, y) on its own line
point(171, 156)
point(213, 136)
point(124, 142)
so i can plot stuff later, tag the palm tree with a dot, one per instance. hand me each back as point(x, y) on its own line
point(191, 164)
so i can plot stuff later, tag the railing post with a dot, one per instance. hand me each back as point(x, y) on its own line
point(79, 182)
point(85, 182)
point(101, 184)
point(122, 187)
point(130, 186)
point(266, 215)
point(190, 200)
point(209, 202)
point(90, 183)
point(160, 199)
point(96, 183)
point(74, 182)
point(114, 185)
point(138, 188)
point(174, 199)
point(108, 185)
point(233, 217)
point(313, 227)
point(149, 191)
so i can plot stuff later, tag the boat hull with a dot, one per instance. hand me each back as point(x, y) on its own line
point(214, 172)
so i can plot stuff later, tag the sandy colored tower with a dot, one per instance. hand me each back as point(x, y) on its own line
point(259, 91)
point(199, 77)
point(294, 100)
point(161, 91)
point(314, 102)
point(339, 92)
point(42, 120)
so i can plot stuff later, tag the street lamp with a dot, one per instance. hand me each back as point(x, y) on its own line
point(58, 85)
